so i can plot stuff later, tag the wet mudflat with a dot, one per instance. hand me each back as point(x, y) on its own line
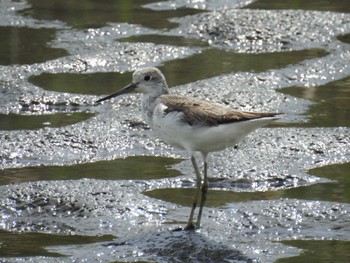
point(83, 182)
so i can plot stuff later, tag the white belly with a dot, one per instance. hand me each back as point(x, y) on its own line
point(173, 131)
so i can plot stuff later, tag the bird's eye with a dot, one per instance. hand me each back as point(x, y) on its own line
point(147, 77)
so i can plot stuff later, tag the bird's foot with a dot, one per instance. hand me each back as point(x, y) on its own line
point(177, 229)
point(190, 227)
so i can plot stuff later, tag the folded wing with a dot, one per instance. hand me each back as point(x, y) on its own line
point(201, 112)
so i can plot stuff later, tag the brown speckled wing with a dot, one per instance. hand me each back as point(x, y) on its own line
point(201, 112)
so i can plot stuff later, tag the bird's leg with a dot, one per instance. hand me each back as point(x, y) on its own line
point(190, 224)
point(204, 192)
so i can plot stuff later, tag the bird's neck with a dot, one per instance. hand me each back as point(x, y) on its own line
point(149, 103)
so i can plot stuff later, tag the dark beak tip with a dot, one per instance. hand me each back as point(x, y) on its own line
point(126, 89)
point(99, 102)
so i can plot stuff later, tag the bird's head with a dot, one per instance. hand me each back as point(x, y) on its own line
point(149, 81)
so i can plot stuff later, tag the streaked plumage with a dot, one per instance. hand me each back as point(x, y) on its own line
point(201, 112)
point(191, 124)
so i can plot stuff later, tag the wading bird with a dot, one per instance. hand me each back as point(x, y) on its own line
point(191, 124)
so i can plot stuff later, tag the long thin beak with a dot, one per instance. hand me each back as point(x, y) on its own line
point(126, 89)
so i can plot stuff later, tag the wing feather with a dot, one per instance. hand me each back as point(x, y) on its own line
point(201, 112)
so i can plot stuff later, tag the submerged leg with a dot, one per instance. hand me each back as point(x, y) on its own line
point(190, 224)
point(204, 190)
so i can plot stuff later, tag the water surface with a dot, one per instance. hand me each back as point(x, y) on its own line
point(332, 103)
point(321, 251)
point(335, 191)
point(17, 49)
point(130, 168)
point(331, 109)
point(320, 5)
point(94, 14)
point(30, 122)
point(33, 244)
point(208, 63)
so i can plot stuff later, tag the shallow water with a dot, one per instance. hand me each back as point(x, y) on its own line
point(18, 50)
point(31, 122)
point(131, 168)
point(321, 5)
point(206, 64)
point(330, 108)
point(94, 14)
point(33, 244)
point(335, 191)
point(320, 251)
